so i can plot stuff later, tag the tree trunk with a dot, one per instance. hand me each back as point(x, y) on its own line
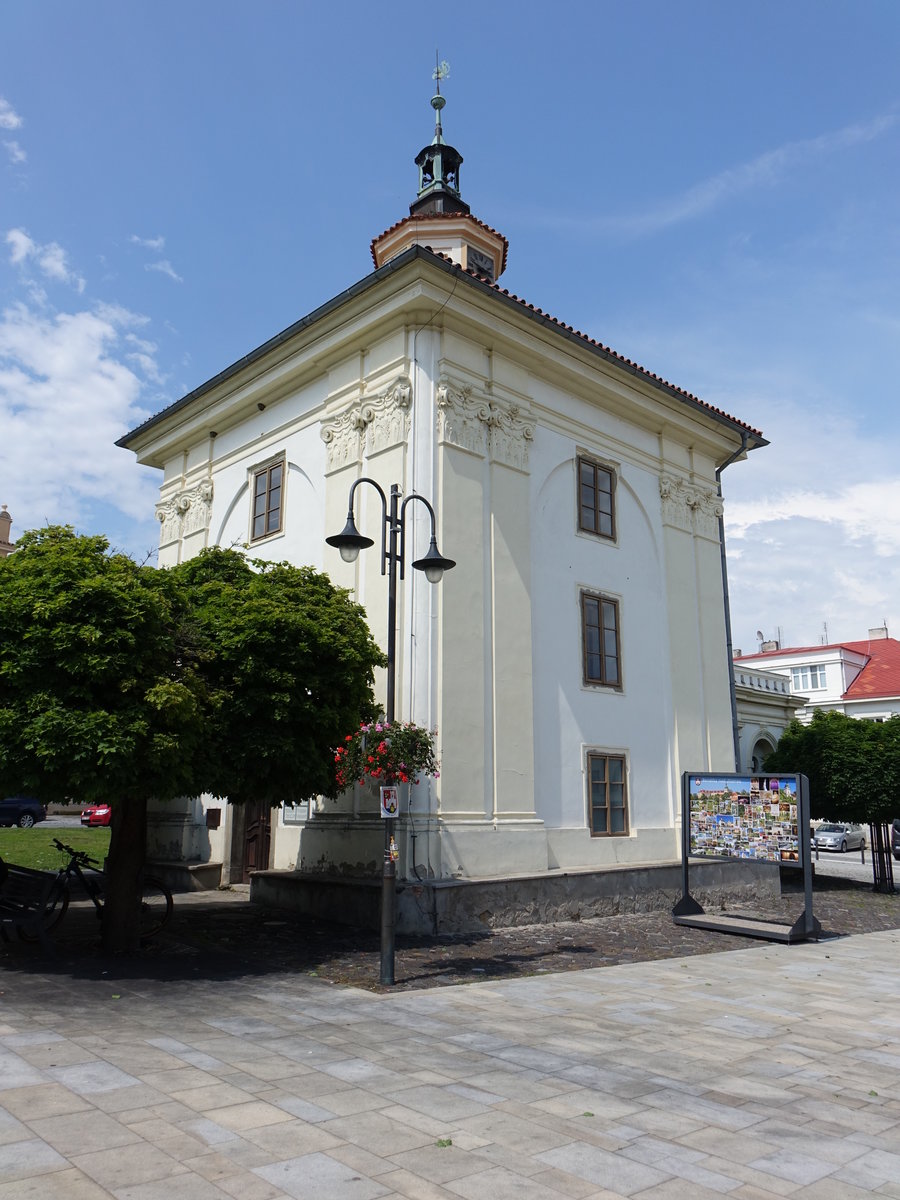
point(121, 927)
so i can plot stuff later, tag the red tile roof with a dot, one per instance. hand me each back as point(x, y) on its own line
point(633, 367)
point(532, 310)
point(879, 676)
point(430, 216)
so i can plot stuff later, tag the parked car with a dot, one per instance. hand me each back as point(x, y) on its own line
point(832, 836)
point(96, 814)
point(895, 837)
point(23, 811)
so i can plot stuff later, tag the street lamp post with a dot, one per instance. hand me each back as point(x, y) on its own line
point(393, 546)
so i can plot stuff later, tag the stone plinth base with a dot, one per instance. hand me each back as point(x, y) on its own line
point(475, 905)
point(187, 877)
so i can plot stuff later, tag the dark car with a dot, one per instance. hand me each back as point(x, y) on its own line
point(22, 811)
point(895, 837)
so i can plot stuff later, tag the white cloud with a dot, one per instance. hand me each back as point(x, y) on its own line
point(156, 243)
point(165, 268)
point(15, 151)
point(67, 391)
point(811, 531)
point(763, 171)
point(855, 511)
point(9, 118)
point(162, 265)
point(20, 244)
point(50, 259)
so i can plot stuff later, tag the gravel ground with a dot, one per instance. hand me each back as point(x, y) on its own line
point(221, 935)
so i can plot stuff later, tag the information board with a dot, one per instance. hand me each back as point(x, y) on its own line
point(745, 816)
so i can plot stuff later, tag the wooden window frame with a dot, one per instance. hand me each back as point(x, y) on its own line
point(606, 783)
point(264, 470)
point(603, 679)
point(582, 462)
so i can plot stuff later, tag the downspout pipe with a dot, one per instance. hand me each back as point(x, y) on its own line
point(729, 643)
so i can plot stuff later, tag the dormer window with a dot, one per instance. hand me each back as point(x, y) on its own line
point(807, 679)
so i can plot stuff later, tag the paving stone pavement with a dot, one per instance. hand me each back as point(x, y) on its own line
point(772, 1072)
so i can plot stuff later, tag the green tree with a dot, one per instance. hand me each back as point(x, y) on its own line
point(853, 768)
point(853, 765)
point(288, 661)
point(122, 682)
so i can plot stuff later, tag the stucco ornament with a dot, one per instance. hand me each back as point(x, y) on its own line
point(369, 424)
point(188, 511)
point(690, 507)
point(708, 507)
point(483, 425)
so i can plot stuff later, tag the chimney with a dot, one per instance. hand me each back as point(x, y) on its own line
point(874, 634)
point(766, 646)
point(6, 546)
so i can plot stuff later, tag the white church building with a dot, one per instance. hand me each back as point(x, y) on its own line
point(575, 661)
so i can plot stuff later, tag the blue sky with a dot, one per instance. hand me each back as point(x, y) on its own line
point(709, 188)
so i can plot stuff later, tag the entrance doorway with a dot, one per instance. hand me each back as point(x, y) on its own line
point(257, 839)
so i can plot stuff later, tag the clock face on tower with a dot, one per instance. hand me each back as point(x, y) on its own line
point(483, 264)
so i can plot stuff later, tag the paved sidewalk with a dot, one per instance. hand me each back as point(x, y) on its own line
point(770, 1072)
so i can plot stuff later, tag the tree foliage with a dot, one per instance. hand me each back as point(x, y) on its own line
point(96, 703)
point(288, 662)
point(853, 765)
point(121, 682)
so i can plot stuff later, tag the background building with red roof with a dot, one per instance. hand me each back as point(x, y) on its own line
point(861, 679)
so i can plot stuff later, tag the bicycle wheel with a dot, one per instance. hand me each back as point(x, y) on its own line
point(156, 907)
point(54, 910)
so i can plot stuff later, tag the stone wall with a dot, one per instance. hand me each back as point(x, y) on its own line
point(476, 905)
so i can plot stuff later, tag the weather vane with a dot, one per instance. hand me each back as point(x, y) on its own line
point(441, 71)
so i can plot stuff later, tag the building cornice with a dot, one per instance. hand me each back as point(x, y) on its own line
point(322, 318)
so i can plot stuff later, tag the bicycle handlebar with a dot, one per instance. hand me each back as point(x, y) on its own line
point(80, 856)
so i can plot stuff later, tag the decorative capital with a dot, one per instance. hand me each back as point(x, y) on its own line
point(372, 424)
point(690, 507)
point(483, 425)
point(188, 511)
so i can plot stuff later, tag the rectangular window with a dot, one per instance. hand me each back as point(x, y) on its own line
point(596, 499)
point(600, 639)
point(606, 784)
point(807, 679)
point(268, 487)
point(294, 814)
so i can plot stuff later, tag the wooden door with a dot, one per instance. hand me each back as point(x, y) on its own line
point(257, 839)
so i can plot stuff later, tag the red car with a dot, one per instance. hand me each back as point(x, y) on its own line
point(96, 814)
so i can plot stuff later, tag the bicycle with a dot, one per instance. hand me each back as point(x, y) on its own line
point(156, 899)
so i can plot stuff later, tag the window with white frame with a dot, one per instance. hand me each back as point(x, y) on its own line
point(807, 679)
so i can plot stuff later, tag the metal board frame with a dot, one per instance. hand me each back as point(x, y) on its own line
point(688, 911)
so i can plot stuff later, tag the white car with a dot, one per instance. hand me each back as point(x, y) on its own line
point(840, 837)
